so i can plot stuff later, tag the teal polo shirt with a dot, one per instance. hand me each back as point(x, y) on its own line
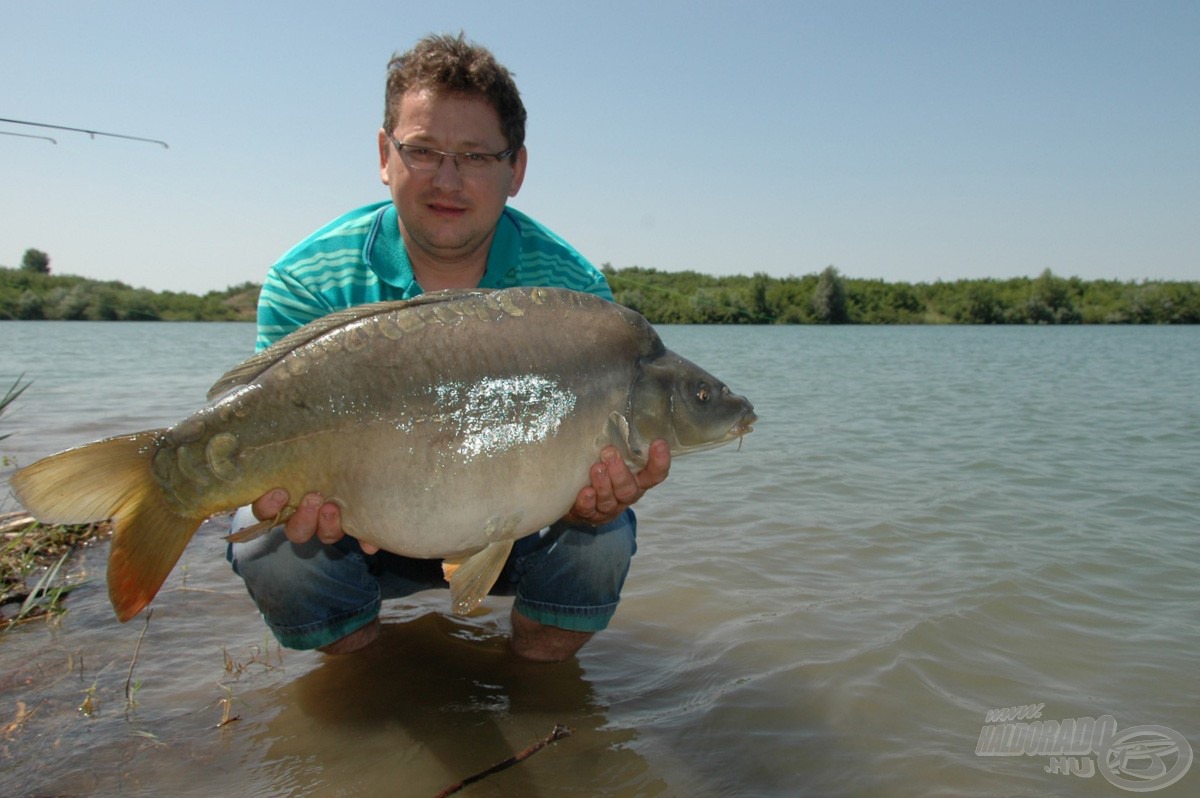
point(360, 257)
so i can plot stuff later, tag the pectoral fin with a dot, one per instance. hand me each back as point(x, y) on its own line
point(261, 528)
point(472, 576)
point(626, 440)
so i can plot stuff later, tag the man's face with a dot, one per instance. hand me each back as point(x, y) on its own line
point(448, 215)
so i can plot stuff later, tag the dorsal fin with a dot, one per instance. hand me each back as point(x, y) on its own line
point(247, 370)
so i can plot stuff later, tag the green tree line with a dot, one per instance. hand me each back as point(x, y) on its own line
point(830, 298)
point(35, 294)
point(692, 298)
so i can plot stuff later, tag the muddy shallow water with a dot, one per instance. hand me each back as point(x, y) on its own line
point(437, 699)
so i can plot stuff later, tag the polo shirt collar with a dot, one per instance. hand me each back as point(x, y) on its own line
point(384, 250)
point(504, 254)
point(385, 253)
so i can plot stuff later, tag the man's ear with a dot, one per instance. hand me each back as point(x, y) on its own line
point(518, 172)
point(385, 152)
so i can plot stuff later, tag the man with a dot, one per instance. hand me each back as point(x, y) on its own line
point(451, 152)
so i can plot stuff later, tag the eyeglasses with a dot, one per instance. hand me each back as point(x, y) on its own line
point(427, 159)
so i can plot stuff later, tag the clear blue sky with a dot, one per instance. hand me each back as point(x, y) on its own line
point(909, 141)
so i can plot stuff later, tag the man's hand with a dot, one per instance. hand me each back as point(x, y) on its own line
point(314, 516)
point(614, 487)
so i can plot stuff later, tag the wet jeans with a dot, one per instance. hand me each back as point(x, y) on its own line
point(312, 594)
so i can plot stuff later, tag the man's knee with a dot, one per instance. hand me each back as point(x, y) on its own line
point(311, 595)
point(602, 556)
point(542, 643)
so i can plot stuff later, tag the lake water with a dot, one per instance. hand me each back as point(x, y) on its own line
point(928, 524)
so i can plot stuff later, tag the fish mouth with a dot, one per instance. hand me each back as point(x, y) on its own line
point(744, 426)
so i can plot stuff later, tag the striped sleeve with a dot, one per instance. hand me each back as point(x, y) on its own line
point(284, 305)
point(549, 260)
point(321, 274)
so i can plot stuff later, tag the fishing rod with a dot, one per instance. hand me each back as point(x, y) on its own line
point(92, 133)
point(27, 136)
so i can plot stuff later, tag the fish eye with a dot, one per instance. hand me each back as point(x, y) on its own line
point(703, 394)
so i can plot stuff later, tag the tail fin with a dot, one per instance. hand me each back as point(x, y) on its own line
point(113, 479)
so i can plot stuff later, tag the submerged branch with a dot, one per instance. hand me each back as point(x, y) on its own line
point(557, 733)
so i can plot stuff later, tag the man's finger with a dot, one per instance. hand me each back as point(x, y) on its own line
point(658, 465)
point(585, 503)
point(329, 523)
point(624, 485)
point(270, 504)
point(303, 523)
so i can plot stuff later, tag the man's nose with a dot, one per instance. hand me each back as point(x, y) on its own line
point(447, 174)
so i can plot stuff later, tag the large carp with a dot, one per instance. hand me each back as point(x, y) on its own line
point(446, 426)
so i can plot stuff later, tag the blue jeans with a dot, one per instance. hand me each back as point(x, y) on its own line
point(312, 594)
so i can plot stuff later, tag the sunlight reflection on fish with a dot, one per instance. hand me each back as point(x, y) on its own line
point(497, 414)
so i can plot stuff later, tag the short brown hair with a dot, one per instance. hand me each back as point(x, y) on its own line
point(452, 65)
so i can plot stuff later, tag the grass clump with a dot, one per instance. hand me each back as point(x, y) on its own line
point(32, 555)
